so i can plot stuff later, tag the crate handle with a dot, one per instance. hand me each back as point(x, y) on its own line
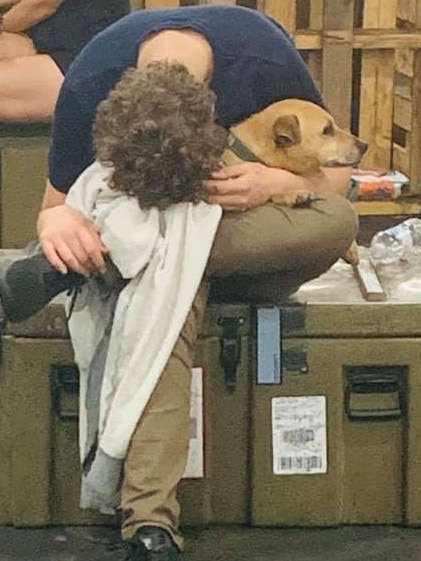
point(387, 384)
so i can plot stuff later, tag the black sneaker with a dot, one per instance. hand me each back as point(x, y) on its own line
point(28, 284)
point(151, 543)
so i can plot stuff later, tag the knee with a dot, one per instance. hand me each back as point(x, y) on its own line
point(338, 224)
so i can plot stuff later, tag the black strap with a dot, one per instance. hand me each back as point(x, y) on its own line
point(241, 150)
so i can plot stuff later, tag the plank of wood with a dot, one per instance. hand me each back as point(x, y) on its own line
point(284, 12)
point(368, 281)
point(337, 59)
point(161, 3)
point(229, 2)
point(365, 39)
point(376, 106)
point(387, 208)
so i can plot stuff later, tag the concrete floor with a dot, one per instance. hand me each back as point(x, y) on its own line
point(221, 544)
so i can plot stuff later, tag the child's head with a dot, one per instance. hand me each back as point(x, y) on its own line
point(156, 131)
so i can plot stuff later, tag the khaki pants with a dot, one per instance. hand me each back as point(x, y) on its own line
point(263, 254)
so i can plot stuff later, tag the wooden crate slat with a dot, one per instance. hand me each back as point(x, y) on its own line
point(377, 87)
point(376, 106)
point(227, 2)
point(314, 57)
point(407, 117)
point(415, 170)
point(406, 207)
point(404, 61)
point(401, 158)
point(366, 39)
point(403, 112)
point(284, 12)
point(409, 11)
point(337, 59)
point(380, 14)
point(161, 4)
point(316, 14)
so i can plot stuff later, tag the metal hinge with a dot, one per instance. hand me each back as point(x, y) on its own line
point(65, 391)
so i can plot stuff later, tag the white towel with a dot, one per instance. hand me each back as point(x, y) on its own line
point(165, 255)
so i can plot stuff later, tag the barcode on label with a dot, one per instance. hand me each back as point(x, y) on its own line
point(298, 436)
point(304, 464)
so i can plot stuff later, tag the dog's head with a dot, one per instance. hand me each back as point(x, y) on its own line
point(299, 136)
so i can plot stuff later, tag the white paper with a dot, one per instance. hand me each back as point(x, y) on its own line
point(195, 460)
point(299, 435)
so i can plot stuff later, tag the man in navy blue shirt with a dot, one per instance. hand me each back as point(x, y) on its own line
point(249, 62)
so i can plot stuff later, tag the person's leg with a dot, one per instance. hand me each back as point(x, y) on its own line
point(268, 252)
point(157, 455)
point(29, 82)
point(13, 45)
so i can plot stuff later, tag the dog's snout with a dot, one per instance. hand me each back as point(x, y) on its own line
point(362, 146)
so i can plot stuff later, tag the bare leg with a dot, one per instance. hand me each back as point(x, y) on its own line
point(29, 82)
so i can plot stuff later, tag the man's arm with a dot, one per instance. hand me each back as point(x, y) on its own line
point(27, 13)
point(248, 184)
point(69, 240)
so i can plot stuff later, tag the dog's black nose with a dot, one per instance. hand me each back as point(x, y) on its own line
point(362, 146)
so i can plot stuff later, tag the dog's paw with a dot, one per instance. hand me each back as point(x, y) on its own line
point(352, 255)
point(297, 198)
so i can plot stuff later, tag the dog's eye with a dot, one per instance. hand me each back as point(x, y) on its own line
point(329, 130)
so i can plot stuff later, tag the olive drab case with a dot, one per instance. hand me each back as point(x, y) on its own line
point(23, 174)
point(336, 432)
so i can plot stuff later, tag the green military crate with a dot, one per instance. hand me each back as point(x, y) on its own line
point(40, 475)
point(38, 383)
point(23, 154)
point(336, 434)
point(222, 495)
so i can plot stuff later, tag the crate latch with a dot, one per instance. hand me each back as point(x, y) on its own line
point(230, 349)
point(3, 323)
point(65, 391)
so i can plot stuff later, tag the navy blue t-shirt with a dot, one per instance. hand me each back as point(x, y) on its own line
point(254, 64)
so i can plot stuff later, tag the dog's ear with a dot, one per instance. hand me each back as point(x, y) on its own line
point(286, 130)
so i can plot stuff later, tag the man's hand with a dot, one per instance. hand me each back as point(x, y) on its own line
point(249, 184)
point(244, 185)
point(70, 241)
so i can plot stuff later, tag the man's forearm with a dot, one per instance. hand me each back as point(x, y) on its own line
point(338, 179)
point(331, 180)
point(52, 197)
point(26, 13)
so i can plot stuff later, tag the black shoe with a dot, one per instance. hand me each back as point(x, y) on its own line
point(151, 543)
point(27, 285)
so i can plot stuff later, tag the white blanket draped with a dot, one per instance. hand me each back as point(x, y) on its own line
point(164, 254)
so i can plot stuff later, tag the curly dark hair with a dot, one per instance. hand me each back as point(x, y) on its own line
point(157, 133)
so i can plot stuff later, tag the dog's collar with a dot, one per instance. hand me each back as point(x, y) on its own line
point(241, 150)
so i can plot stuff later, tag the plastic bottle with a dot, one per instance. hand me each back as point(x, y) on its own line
point(396, 243)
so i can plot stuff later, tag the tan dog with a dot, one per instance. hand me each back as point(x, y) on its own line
point(298, 136)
